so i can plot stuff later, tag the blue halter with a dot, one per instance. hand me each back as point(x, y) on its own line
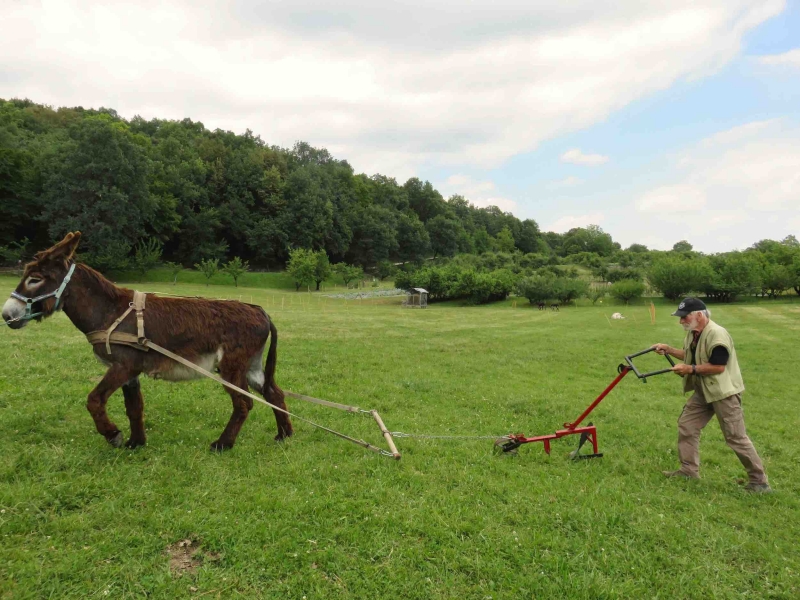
point(29, 314)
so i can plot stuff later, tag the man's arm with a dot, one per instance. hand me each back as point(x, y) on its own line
point(663, 349)
point(715, 365)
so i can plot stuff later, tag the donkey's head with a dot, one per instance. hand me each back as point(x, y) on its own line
point(38, 295)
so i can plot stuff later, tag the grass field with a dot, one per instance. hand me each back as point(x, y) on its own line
point(317, 517)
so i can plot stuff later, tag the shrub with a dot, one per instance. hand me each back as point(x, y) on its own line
point(776, 280)
point(174, 270)
point(595, 294)
point(451, 282)
point(236, 267)
point(147, 255)
point(676, 276)
point(566, 289)
point(627, 290)
point(301, 266)
point(537, 288)
point(734, 273)
point(347, 272)
point(385, 269)
point(208, 268)
point(322, 267)
point(615, 275)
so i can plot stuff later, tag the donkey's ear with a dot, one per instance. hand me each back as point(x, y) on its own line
point(63, 250)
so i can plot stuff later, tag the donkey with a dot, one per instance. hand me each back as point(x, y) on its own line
point(225, 335)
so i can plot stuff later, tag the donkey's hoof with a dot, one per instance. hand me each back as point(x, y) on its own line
point(219, 446)
point(116, 441)
point(282, 436)
point(132, 443)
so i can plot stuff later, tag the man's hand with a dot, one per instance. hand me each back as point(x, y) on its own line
point(682, 369)
point(662, 349)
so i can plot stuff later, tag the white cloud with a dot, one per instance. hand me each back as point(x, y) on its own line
point(738, 134)
point(479, 193)
point(728, 190)
point(567, 182)
point(568, 222)
point(390, 87)
point(576, 157)
point(791, 58)
point(673, 198)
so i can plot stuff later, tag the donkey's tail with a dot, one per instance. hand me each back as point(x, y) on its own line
point(272, 358)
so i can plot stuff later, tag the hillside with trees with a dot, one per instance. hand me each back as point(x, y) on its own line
point(175, 193)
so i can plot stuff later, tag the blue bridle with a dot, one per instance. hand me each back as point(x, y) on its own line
point(29, 314)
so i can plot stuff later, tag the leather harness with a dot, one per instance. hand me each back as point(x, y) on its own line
point(109, 336)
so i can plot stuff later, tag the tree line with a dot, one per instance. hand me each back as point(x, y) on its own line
point(150, 192)
point(769, 268)
point(203, 195)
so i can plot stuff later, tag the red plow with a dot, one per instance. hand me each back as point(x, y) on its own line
point(589, 431)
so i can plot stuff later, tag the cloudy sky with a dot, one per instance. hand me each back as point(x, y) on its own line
point(658, 121)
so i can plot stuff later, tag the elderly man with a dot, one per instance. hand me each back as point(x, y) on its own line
point(711, 371)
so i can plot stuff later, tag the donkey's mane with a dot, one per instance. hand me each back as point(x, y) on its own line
point(97, 280)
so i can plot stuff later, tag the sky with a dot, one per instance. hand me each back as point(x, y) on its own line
point(657, 121)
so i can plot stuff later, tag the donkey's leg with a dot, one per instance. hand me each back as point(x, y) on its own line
point(275, 396)
point(134, 408)
point(237, 375)
point(96, 403)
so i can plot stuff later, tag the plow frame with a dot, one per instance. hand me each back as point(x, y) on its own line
point(589, 431)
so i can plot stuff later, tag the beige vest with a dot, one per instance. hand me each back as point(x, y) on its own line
point(715, 387)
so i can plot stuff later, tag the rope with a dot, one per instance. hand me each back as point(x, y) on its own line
point(227, 384)
point(400, 434)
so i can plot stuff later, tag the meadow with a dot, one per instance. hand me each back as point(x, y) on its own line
point(317, 517)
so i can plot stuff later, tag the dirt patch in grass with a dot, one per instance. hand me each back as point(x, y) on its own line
point(184, 557)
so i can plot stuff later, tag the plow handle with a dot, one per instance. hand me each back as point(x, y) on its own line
point(644, 376)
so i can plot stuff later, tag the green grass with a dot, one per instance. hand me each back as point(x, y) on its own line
point(317, 517)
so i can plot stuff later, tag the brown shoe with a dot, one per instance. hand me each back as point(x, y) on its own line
point(679, 473)
point(758, 488)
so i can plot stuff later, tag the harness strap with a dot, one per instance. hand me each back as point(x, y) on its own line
point(138, 305)
point(117, 337)
point(327, 403)
point(124, 338)
point(111, 329)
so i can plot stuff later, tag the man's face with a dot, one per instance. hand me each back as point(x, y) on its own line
point(690, 322)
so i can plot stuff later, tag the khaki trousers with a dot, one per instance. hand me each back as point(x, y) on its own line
point(696, 415)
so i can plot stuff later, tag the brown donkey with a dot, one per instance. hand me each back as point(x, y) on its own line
point(225, 335)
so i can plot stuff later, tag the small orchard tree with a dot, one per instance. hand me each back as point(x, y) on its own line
point(385, 269)
point(595, 294)
point(676, 276)
point(537, 288)
point(776, 280)
point(626, 290)
point(322, 267)
point(301, 266)
point(348, 273)
point(174, 270)
point(566, 289)
point(208, 267)
point(734, 274)
point(236, 267)
point(147, 254)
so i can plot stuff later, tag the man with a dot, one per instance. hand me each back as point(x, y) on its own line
point(711, 371)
